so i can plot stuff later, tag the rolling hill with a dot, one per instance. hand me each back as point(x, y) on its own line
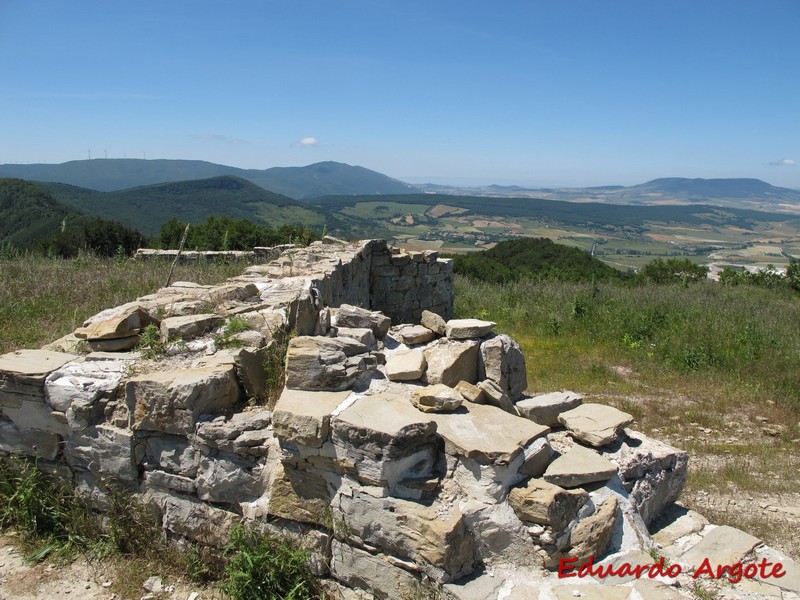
point(28, 213)
point(106, 175)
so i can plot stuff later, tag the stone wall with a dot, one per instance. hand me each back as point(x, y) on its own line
point(406, 457)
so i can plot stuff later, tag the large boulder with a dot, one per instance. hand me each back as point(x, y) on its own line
point(451, 361)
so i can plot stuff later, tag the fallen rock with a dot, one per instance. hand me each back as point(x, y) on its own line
point(463, 329)
point(189, 326)
point(546, 408)
point(471, 392)
point(354, 316)
point(433, 322)
point(722, 545)
point(363, 335)
point(22, 373)
point(125, 324)
point(437, 398)
point(413, 334)
point(494, 395)
point(595, 424)
point(591, 535)
point(546, 504)
point(316, 362)
point(406, 365)
point(451, 361)
point(502, 362)
point(578, 466)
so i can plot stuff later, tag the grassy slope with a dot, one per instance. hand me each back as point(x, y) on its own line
point(702, 367)
point(27, 212)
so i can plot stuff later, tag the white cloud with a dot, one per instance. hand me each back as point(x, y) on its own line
point(784, 162)
point(307, 142)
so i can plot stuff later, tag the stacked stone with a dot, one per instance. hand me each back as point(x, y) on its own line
point(404, 284)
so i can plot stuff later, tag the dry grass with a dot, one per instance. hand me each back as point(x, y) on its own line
point(42, 299)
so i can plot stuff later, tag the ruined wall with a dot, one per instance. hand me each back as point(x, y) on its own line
point(402, 455)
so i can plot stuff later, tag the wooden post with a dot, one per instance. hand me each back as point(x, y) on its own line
point(178, 255)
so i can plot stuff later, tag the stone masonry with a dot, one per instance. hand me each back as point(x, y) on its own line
point(403, 452)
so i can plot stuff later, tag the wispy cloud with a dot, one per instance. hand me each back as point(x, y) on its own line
point(307, 142)
point(784, 162)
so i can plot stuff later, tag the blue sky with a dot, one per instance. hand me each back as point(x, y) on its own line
point(534, 92)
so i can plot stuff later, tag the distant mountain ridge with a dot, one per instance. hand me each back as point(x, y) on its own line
point(114, 174)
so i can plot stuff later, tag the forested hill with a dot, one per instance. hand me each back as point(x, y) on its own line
point(534, 258)
point(27, 212)
point(147, 207)
point(30, 218)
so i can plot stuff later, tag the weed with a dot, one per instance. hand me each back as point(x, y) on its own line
point(150, 343)
point(275, 367)
point(226, 337)
point(265, 566)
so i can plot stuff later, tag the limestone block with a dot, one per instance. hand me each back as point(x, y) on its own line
point(315, 362)
point(103, 450)
point(537, 458)
point(501, 537)
point(595, 424)
point(299, 495)
point(172, 453)
point(169, 481)
point(172, 401)
point(82, 384)
point(27, 442)
point(229, 292)
point(591, 536)
point(546, 408)
point(433, 322)
point(222, 432)
point(546, 504)
point(363, 335)
point(303, 417)
point(227, 478)
point(470, 392)
point(435, 535)
point(249, 365)
point(450, 361)
point(36, 415)
point(23, 372)
point(502, 361)
point(486, 433)
point(125, 324)
point(354, 316)
point(373, 573)
point(406, 365)
point(677, 522)
point(494, 395)
point(653, 472)
point(463, 329)
point(437, 398)
point(268, 322)
point(578, 466)
point(191, 518)
point(190, 326)
point(382, 439)
point(412, 334)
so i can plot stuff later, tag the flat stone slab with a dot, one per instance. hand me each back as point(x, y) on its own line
point(486, 433)
point(463, 329)
point(578, 466)
point(123, 325)
point(406, 365)
point(789, 582)
point(189, 326)
point(413, 334)
point(595, 424)
point(655, 590)
point(685, 523)
point(437, 398)
point(303, 417)
point(35, 364)
point(722, 545)
point(546, 408)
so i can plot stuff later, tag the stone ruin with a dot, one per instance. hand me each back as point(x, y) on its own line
point(402, 452)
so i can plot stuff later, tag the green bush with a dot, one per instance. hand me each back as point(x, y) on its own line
point(263, 566)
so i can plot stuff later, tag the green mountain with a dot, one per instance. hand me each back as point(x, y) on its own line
point(108, 175)
point(147, 207)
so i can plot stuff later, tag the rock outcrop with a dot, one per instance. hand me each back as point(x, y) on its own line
point(409, 452)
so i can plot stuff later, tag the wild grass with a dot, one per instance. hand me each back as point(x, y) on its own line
point(42, 299)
